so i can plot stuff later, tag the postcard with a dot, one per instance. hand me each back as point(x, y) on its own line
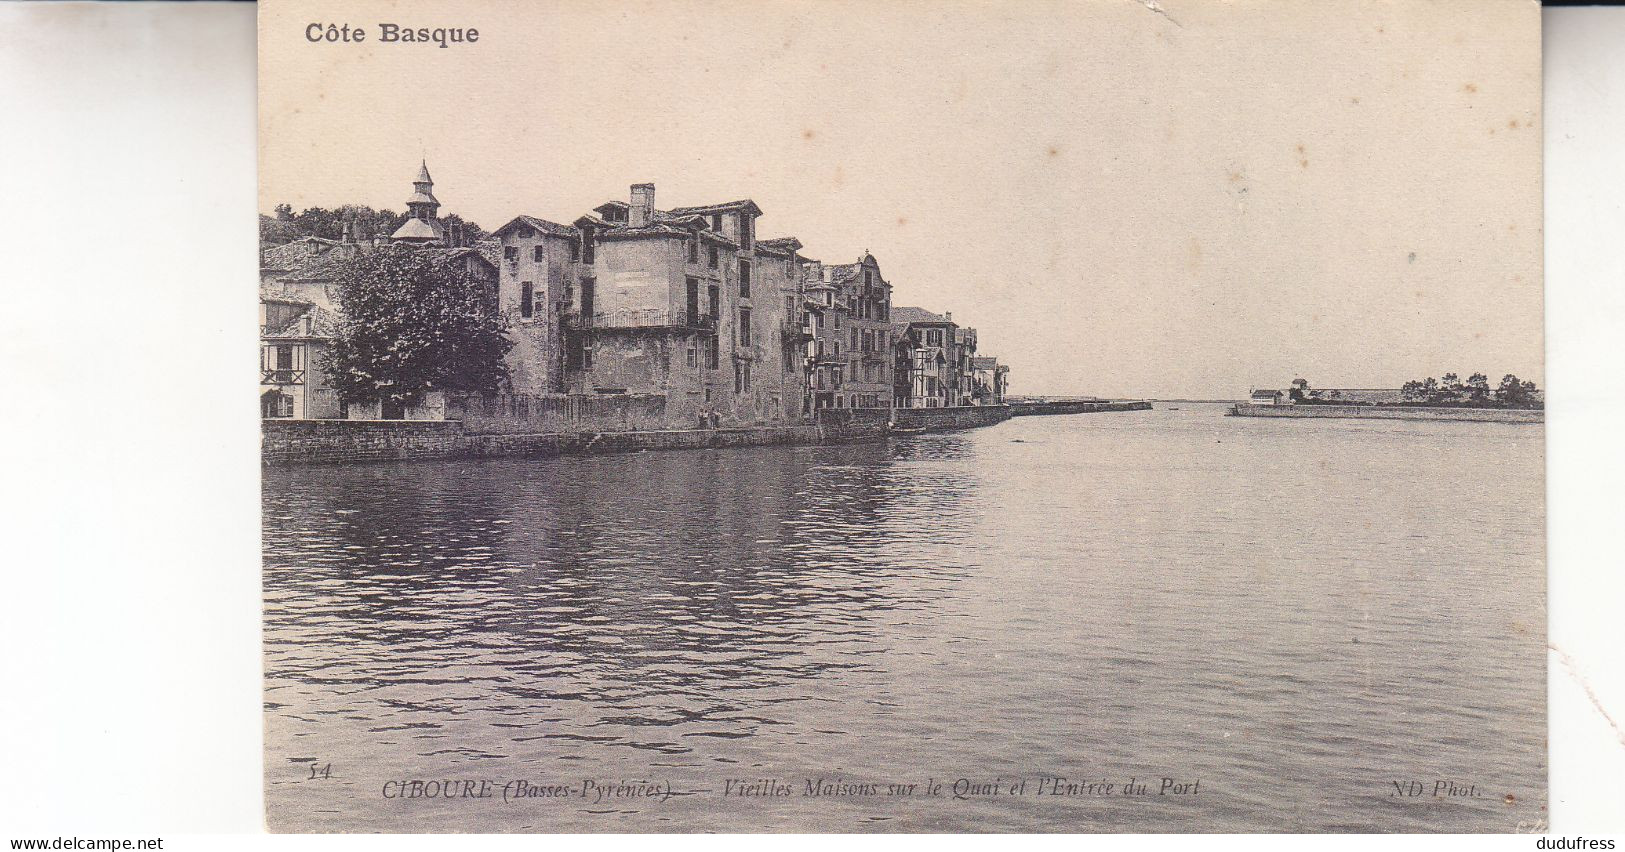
point(1109, 416)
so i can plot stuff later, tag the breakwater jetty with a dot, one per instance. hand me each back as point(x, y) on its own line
point(1031, 409)
point(1391, 412)
point(300, 442)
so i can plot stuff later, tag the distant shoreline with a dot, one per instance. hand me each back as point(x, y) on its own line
point(1394, 412)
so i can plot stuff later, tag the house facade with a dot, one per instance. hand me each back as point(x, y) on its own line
point(989, 381)
point(929, 356)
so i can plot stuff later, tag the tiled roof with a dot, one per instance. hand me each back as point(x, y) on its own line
point(983, 363)
point(840, 273)
point(907, 315)
point(321, 267)
point(653, 230)
point(445, 255)
point(275, 293)
point(290, 254)
point(742, 204)
point(323, 324)
point(541, 225)
point(417, 229)
point(780, 244)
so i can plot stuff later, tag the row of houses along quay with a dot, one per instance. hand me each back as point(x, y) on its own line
point(633, 318)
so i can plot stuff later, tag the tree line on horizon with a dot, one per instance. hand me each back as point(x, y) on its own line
point(367, 223)
point(1451, 390)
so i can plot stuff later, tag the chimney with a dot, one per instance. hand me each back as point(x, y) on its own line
point(949, 316)
point(643, 205)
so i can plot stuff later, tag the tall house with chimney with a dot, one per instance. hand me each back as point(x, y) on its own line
point(684, 303)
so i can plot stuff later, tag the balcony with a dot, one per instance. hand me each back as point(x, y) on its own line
point(794, 333)
point(636, 318)
point(282, 377)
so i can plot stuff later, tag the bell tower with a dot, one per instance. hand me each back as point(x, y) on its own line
point(423, 205)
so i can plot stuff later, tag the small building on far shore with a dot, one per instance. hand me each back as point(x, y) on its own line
point(1267, 396)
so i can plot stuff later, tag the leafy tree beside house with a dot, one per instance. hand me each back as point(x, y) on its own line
point(412, 323)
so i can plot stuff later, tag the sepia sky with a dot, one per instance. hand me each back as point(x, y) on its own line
point(1164, 199)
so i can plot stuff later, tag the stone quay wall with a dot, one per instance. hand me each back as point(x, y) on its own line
point(955, 417)
point(293, 442)
point(320, 441)
point(1373, 412)
point(1030, 409)
point(531, 414)
point(297, 442)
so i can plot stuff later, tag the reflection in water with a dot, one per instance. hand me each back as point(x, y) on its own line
point(1280, 611)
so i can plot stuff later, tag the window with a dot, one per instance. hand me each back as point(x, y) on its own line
point(739, 378)
point(575, 250)
point(746, 226)
point(536, 254)
point(855, 338)
point(712, 257)
point(527, 299)
point(527, 232)
point(510, 253)
point(587, 307)
point(586, 355)
point(693, 248)
point(744, 326)
point(284, 357)
point(276, 404)
point(588, 250)
point(714, 296)
point(713, 352)
point(744, 278)
point(747, 376)
point(716, 223)
point(693, 302)
point(693, 356)
point(868, 278)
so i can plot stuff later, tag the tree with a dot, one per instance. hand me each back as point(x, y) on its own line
point(1450, 388)
point(367, 223)
point(1300, 388)
point(1413, 391)
point(1478, 388)
point(462, 231)
point(414, 323)
point(1514, 393)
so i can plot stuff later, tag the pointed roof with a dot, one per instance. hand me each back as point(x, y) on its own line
point(423, 173)
point(909, 316)
point(417, 229)
point(539, 224)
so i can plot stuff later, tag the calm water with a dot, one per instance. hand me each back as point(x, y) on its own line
point(1295, 613)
